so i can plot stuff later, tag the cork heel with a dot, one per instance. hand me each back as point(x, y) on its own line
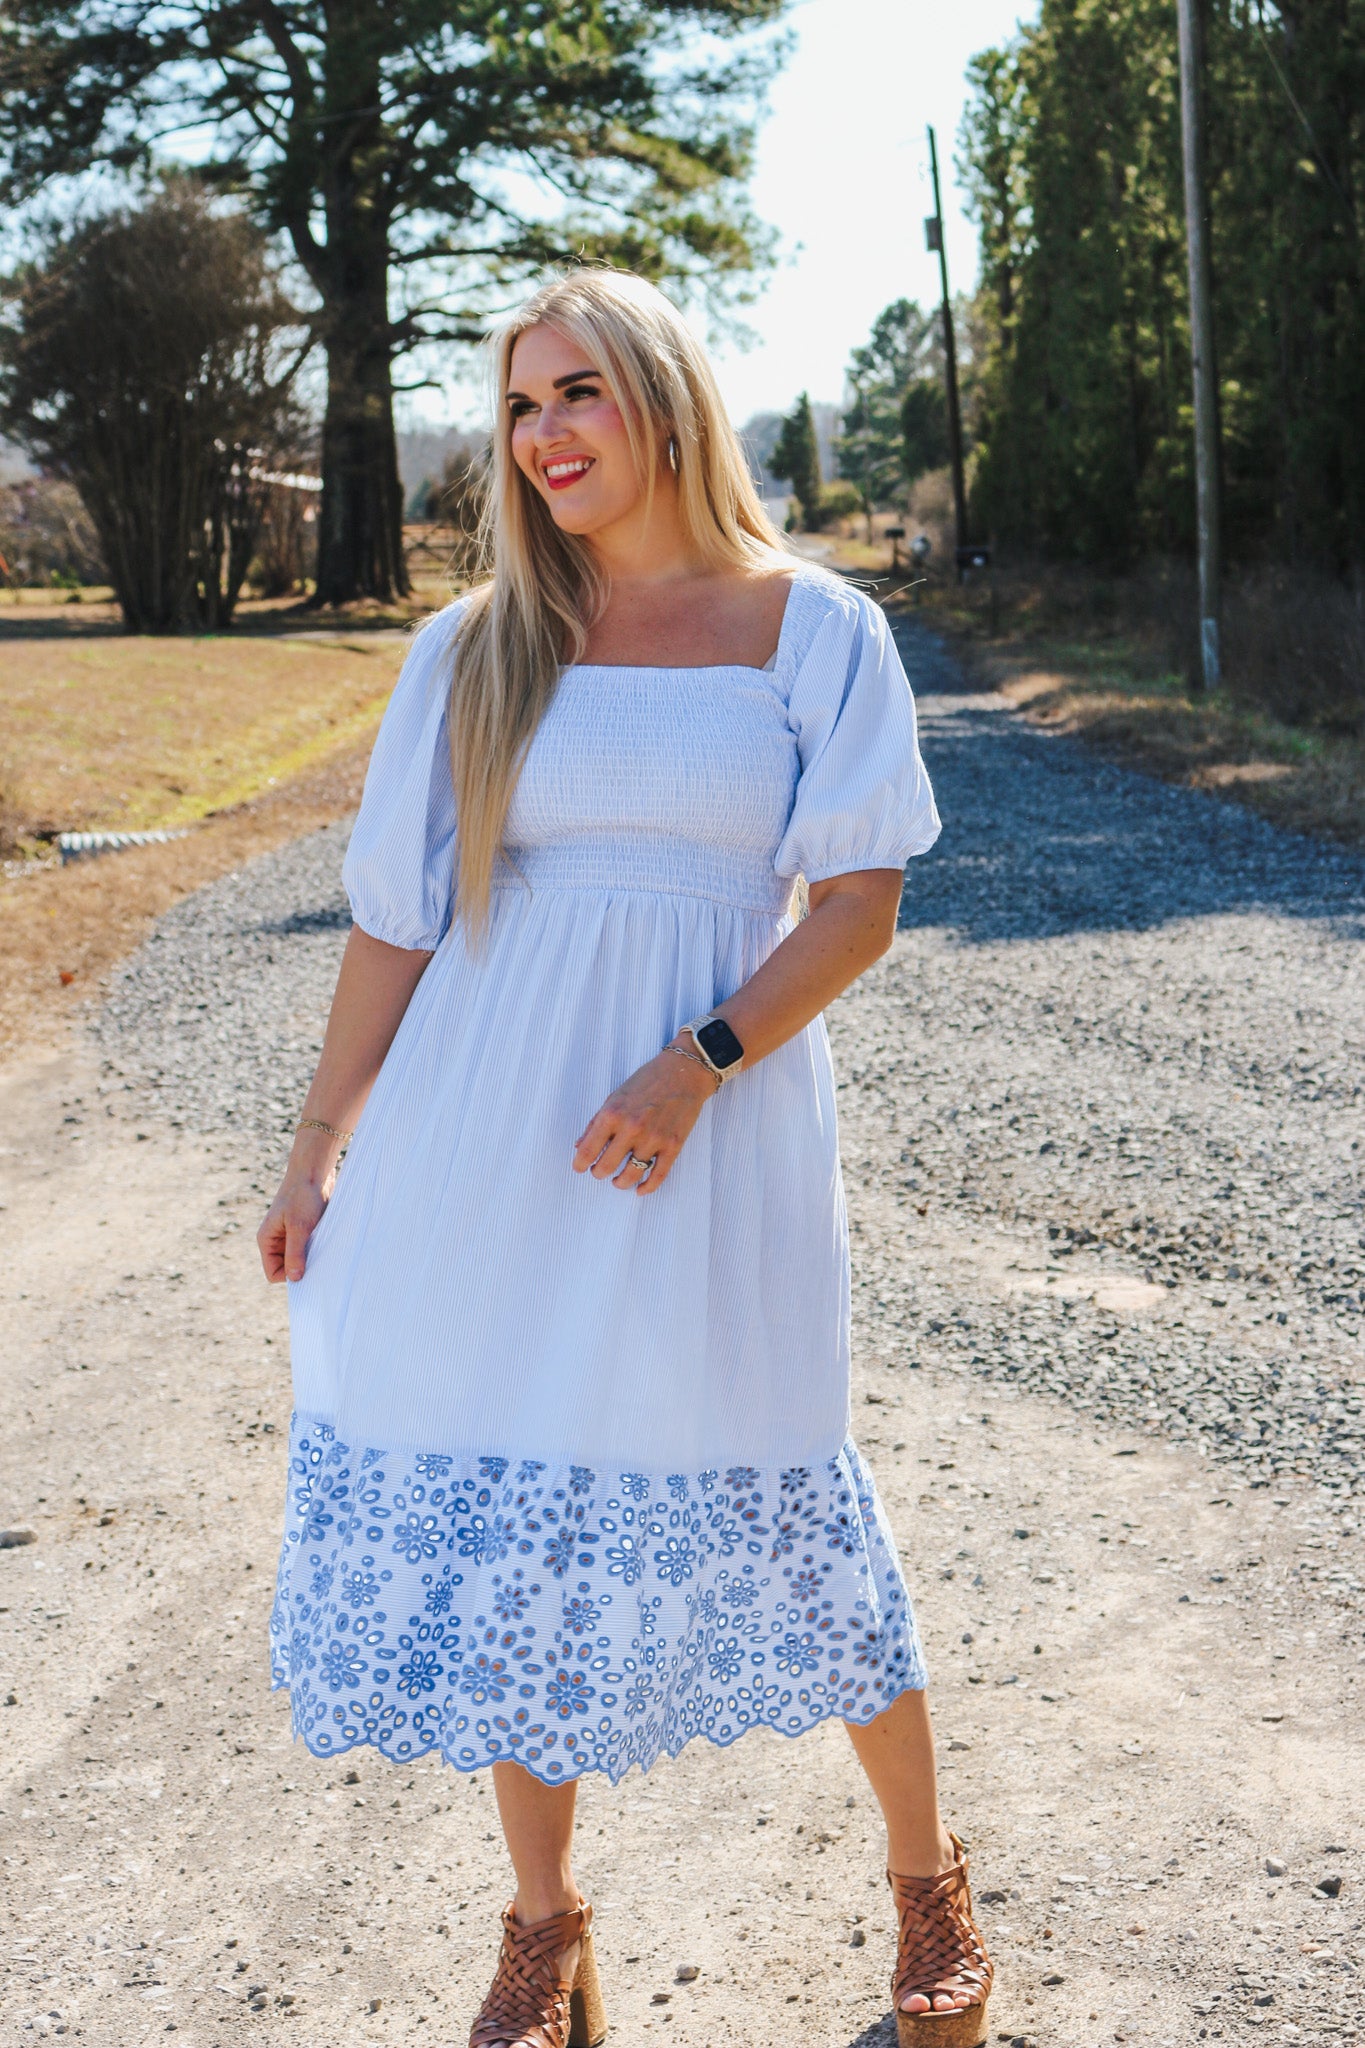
point(965, 2029)
point(587, 2014)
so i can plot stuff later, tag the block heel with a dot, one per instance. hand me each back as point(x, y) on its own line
point(587, 2014)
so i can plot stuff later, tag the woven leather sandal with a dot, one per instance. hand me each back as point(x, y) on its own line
point(941, 1956)
point(529, 2005)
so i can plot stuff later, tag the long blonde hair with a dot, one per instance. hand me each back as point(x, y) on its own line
point(544, 588)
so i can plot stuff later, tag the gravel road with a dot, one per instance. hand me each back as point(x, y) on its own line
point(1125, 1030)
point(1121, 1035)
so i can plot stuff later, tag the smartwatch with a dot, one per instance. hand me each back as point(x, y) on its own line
point(717, 1044)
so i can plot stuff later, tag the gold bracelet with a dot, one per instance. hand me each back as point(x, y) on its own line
point(696, 1060)
point(311, 1123)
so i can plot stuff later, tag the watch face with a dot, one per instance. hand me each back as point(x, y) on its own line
point(719, 1043)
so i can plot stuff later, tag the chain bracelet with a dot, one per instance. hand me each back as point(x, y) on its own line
point(696, 1060)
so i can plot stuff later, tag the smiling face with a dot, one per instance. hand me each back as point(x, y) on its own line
point(568, 436)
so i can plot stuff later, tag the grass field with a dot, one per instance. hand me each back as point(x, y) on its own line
point(131, 733)
point(250, 739)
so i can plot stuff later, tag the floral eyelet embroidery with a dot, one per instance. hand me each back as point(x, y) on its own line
point(575, 1620)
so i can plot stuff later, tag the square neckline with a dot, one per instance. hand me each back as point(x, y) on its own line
point(705, 668)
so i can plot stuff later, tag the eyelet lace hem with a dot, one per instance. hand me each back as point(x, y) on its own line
point(572, 1620)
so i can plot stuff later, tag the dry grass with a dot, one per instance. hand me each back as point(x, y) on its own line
point(1308, 782)
point(12, 821)
point(132, 733)
point(249, 739)
point(1109, 661)
point(62, 929)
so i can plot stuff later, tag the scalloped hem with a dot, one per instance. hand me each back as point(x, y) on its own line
point(487, 1610)
point(672, 1751)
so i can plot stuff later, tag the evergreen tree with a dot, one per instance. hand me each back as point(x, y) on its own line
point(1072, 158)
point(924, 428)
point(904, 351)
point(413, 154)
point(796, 459)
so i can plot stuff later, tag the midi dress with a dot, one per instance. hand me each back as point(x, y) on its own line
point(571, 1478)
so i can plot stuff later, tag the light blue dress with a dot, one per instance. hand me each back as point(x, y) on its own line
point(571, 1478)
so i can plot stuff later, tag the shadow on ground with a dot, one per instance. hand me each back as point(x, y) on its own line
point(301, 923)
point(881, 2034)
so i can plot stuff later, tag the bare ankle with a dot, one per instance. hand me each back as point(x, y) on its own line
point(544, 1899)
point(921, 1855)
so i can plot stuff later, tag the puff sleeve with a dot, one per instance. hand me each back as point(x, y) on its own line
point(863, 798)
point(399, 867)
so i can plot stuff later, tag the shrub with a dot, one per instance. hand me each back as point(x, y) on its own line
point(46, 535)
point(167, 426)
point(839, 500)
point(286, 545)
point(1294, 644)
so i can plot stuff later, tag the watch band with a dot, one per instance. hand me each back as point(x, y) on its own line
point(698, 1024)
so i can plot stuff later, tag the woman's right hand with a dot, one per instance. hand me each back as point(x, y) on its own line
point(373, 991)
point(290, 1221)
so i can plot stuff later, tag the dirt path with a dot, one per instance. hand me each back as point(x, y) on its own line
point(1125, 1754)
point(1146, 1653)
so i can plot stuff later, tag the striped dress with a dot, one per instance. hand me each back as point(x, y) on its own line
point(571, 1478)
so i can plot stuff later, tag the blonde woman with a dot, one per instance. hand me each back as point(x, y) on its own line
point(571, 1477)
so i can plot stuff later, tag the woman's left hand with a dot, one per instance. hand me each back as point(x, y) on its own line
point(648, 1116)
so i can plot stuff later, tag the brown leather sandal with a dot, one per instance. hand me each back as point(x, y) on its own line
point(941, 1956)
point(529, 2005)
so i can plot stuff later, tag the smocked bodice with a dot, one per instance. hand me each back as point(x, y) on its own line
point(721, 784)
point(671, 780)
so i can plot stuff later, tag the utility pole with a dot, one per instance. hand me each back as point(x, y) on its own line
point(1201, 344)
point(864, 440)
point(933, 235)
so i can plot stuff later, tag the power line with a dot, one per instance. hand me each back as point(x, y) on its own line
point(1319, 156)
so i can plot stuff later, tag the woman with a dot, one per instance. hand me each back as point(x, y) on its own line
point(571, 1479)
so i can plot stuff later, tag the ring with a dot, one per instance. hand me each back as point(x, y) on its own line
point(646, 1166)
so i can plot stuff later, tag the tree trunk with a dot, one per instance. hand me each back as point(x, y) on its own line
point(360, 536)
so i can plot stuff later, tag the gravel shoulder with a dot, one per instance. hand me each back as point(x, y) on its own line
point(1112, 1057)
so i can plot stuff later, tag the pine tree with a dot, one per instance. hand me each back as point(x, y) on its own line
point(796, 459)
point(1071, 155)
point(406, 150)
point(876, 450)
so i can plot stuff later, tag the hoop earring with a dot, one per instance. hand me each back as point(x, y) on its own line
point(673, 455)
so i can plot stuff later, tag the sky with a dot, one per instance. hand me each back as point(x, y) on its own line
point(842, 173)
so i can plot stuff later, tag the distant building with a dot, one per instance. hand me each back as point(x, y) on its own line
point(423, 453)
point(14, 464)
point(829, 420)
point(758, 438)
